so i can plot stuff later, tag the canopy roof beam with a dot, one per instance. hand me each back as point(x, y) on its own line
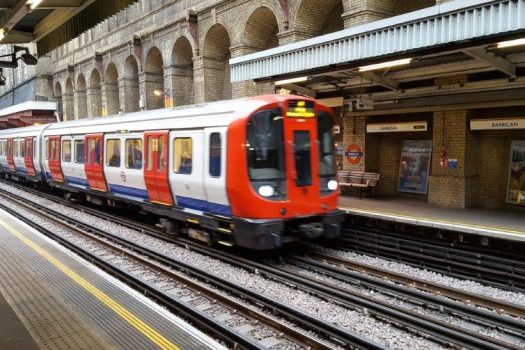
point(494, 61)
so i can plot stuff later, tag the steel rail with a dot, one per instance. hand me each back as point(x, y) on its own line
point(333, 331)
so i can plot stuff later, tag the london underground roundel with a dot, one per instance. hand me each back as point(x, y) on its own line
point(353, 154)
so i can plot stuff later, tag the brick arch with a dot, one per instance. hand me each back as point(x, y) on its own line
point(80, 97)
point(130, 84)
point(57, 97)
point(182, 76)
point(260, 30)
point(67, 100)
point(94, 94)
point(110, 96)
point(216, 55)
point(318, 17)
point(154, 79)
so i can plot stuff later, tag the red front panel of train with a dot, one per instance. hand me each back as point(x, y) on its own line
point(10, 159)
point(28, 159)
point(156, 167)
point(54, 159)
point(94, 165)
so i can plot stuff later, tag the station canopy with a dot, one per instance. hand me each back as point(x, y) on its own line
point(51, 23)
point(459, 52)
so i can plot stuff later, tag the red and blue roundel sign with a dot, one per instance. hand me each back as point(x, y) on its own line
point(353, 154)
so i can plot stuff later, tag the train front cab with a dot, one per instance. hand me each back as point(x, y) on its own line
point(290, 163)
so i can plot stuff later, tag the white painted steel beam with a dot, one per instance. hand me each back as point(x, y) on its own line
point(465, 21)
point(381, 80)
point(494, 61)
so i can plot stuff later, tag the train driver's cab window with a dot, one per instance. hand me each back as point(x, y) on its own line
point(113, 153)
point(134, 153)
point(215, 154)
point(182, 155)
point(79, 151)
point(66, 151)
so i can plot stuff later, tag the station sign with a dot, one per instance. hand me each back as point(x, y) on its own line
point(397, 127)
point(497, 124)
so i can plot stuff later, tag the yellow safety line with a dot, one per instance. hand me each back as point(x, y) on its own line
point(395, 214)
point(133, 320)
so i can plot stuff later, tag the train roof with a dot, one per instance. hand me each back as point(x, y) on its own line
point(21, 132)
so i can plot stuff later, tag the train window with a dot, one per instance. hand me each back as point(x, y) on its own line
point(113, 153)
point(34, 149)
point(152, 148)
point(303, 158)
point(48, 149)
point(22, 149)
point(161, 157)
point(15, 152)
point(265, 146)
point(215, 154)
point(79, 151)
point(182, 155)
point(134, 153)
point(66, 151)
point(326, 145)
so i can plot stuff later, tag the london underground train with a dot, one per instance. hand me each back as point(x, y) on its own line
point(253, 172)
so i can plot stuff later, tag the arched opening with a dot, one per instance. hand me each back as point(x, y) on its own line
point(57, 97)
point(260, 34)
point(216, 54)
point(80, 97)
point(94, 95)
point(131, 85)
point(182, 78)
point(319, 17)
point(110, 97)
point(67, 101)
point(154, 72)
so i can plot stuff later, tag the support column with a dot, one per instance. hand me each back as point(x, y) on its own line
point(148, 83)
point(292, 36)
point(457, 188)
point(354, 134)
point(129, 94)
point(211, 80)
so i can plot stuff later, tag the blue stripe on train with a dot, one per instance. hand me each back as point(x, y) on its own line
point(128, 191)
point(76, 181)
point(202, 205)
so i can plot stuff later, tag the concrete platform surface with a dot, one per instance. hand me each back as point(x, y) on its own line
point(493, 223)
point(52, 299)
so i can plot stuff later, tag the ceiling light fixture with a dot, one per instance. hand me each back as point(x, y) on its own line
point(2, 33)
point(32, 4)
point(511, 43)
point(291, 81)
point(384, 65)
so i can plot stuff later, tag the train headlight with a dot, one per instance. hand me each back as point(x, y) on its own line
point(332, 185)
point(266, 191)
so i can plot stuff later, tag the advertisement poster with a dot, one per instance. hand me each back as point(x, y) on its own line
point(415, 166)
point(516, 192)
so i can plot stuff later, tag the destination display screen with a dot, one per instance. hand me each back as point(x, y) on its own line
point(300, 109)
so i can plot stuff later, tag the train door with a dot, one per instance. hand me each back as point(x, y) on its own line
point(28, 157)
point(186, 169)
point(300, 133)
point(18, 156)
point(66, 159)
point(215, 171)
point(94, 167)
point(10, 155)
point(54, 159)
point(156, 167)
point(76, 175)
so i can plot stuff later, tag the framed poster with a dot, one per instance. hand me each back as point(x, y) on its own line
point(415, 166)
point(516, 187)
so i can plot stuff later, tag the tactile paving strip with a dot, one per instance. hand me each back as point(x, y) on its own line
point(50, 322)
point(98, 317)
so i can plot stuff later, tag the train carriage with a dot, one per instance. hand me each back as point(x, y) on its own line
point(20, 153)
point(253, 172)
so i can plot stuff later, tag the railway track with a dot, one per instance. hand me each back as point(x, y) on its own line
point(473, 320)
point(155, 266)
point(499, 269)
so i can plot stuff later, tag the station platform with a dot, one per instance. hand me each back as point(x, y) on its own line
point(52, 299)
point(491, 223)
